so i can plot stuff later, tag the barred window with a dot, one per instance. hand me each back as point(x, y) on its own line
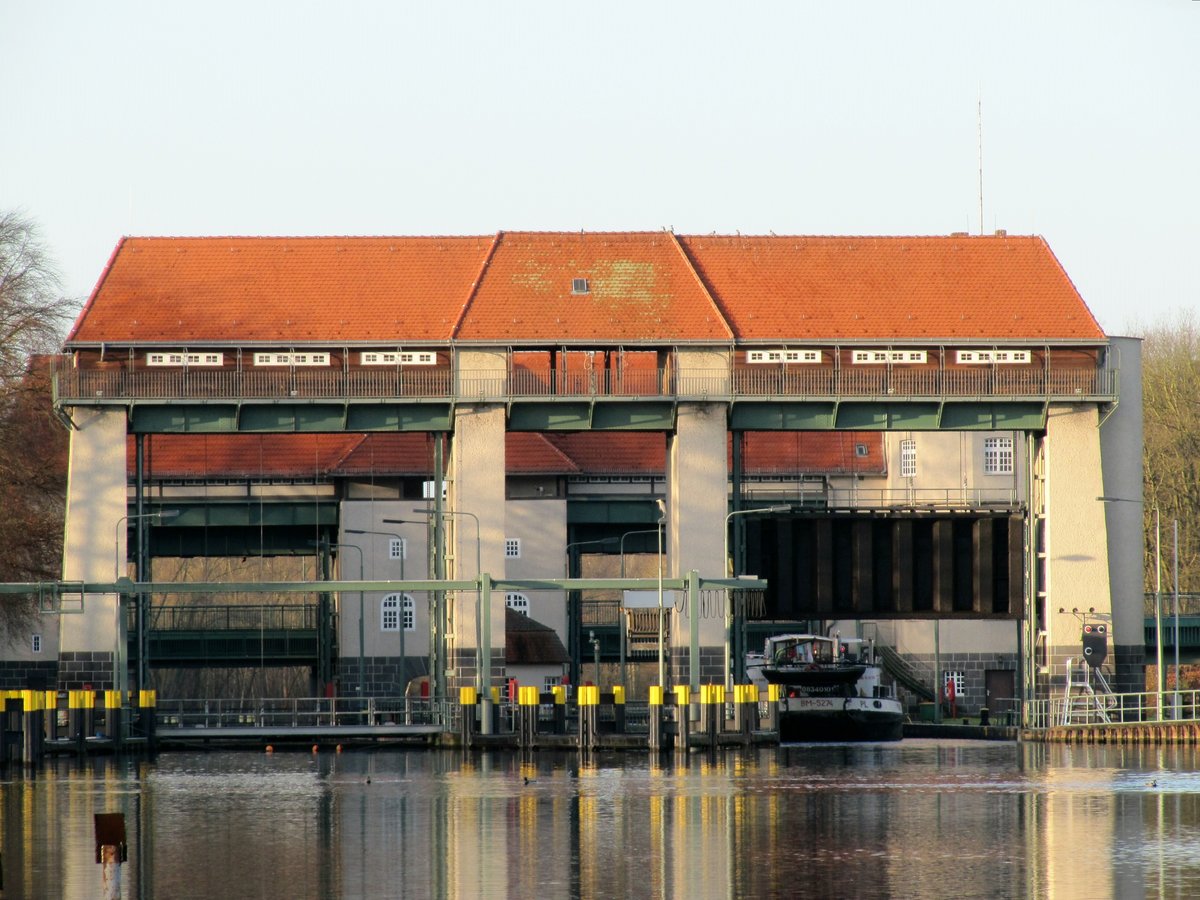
point(908, 458)
point(998, 456)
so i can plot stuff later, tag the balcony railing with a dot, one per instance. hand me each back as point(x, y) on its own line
point(106, 385)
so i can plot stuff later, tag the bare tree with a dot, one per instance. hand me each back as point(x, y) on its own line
point(33, 317)
point(1171, 398)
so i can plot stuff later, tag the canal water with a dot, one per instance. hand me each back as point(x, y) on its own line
point(914, 819)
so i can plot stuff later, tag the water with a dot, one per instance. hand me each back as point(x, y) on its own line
point(914, 819)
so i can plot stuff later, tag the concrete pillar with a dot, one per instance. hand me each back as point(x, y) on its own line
point(94, 546)
point(1121, 442)
point(477, 526)
point(697, 503)
point(1076, 546)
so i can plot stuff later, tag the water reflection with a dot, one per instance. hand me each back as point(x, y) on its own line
point(917, 819)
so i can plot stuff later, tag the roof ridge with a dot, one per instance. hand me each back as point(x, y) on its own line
point(487, 261)
point(558, 451)
point(704, 288)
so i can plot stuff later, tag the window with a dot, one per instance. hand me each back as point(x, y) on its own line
point(395, 607)
point(998, 456)
point(398, 548)
point(517, 603)
point(861, 450)
point(580, 286)
point(395, 357)
point(783, 356)
point(908, 458)
point(987, 357)
point(35, 643)
point(291, 359)
point(512, 548)
point(550, 682)
point(190, 359)
point(959, 680)
point(880, 357)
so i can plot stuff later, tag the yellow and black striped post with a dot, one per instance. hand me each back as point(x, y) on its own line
point(528, 700)
point(11, 715)
point(618, 699)
point(468, 701)
point(114, 723)
point(50, 721)
point(79, 708)
point(683, 717)
point(589, 705)
point(712, 711)
point(148, 718)
point(34, 725)
point(774, 696)
point(656, 717)
point(560, 708)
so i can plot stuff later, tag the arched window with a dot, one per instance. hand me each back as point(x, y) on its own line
point(395, 606)
point(517, 603)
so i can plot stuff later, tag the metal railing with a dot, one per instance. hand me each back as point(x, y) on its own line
point(300, 617)
point(440, 384)
point(300, 712)
point(1113, 709)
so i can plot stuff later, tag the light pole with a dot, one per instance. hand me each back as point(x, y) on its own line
point(729, 596)
point(120, 675)
point(362, 669)
point(403, 554)
point(1158, 640)
point(621, 610)
point(483, 625)
point(662, 521)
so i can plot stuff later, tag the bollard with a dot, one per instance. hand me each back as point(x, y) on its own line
point(560, 709)
point(34, 725)
point(111, 850)
point(683, 717)
point(78, 703)
point(656, 718)
point(528, 700)
point(51, 717)
point(12, 741)
point(467, 700)
point(589, 705)
point(113, 718)
point(618, 695)
point(774, 696)
point(148, 704)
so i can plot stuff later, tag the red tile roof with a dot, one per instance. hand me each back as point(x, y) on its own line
point(884, 288)
point(643, 288)
point(307, 456)
point(282, 290)
point(640, 287)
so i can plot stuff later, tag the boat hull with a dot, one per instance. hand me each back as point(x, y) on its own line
point(836, 719)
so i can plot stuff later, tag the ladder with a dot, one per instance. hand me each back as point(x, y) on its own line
point(1083, 705)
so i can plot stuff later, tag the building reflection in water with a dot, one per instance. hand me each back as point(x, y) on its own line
point(914, 819)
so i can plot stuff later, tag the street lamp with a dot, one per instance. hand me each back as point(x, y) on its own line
point(729, 596)
point(403, 554)
point(1158, 640)
point(662, 521)
point(362, 669)
point(120, 675)
point(621, 609)
point(483, 625)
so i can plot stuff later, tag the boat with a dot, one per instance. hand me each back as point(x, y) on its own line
point(833, 689)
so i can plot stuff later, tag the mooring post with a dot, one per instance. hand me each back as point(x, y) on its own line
point(468, 699)
point(560, 709)
point(774, 695)
point(683, 717)
point(656, 717)
point(111, 851)
point(528, 700)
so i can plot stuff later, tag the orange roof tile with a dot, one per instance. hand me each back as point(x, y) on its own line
point(281, 290)
point(308, 456)
point(640, 288)
point(643, 287)
point(885, 288)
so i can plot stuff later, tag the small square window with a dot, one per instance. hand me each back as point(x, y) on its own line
point(860, 450)
point(398, 548)
point(998, 456)
point(580, 286)
point(36, 643)
point(512, 548)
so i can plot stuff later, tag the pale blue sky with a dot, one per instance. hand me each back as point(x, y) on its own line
point(839, 117)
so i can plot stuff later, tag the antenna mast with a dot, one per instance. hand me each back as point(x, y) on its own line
point(979, 125)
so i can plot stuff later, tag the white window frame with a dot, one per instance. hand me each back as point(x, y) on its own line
point(512, 548)
point(35, 643)
point(397, 608)
point(960, 684)
point(883, 357)
point(993, 357)
point(179, 358)
point(517, 602)
point(397, 358)
point(908, 458)
point(999, 456)
point(581, 286)
point(398, 548)
point(303, 359)
point(784, 356)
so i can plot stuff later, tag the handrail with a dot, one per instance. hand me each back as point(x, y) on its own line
point(103, 385)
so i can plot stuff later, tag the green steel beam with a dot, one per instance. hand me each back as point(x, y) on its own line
point(608, 415)
point(747, 415)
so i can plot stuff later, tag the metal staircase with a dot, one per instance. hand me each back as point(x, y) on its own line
point(1083, 704)
point(914, 679)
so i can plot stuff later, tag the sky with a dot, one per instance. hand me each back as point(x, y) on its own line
point(814, 117)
